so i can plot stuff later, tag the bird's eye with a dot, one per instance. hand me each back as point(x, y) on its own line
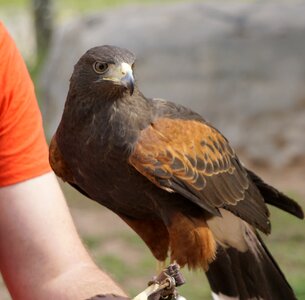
point(100, 67)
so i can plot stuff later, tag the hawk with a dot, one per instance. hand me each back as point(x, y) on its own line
point(170, 175)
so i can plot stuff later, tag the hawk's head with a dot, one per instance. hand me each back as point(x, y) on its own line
point(104, 69)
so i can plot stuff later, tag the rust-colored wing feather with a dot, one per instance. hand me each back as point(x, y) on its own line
point(192, 158)
point(57, 163)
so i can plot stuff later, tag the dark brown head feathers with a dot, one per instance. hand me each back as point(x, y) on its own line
point(109, 54)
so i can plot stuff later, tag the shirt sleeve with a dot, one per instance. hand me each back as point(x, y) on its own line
point(23, 148)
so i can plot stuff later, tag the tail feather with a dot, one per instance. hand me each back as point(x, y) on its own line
point(221, 276)
point(276, 198)
point(253, 274)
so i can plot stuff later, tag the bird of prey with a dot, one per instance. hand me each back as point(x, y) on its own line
point(170, 175)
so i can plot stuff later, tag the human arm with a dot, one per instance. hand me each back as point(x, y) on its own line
point(41, 255)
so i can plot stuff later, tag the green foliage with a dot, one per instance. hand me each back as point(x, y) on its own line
point(90, 5)
point(19, 3)
point(91, 241)
point(79, 5)
point(117, 267)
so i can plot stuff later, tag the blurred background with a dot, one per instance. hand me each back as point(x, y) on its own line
point(240, 64)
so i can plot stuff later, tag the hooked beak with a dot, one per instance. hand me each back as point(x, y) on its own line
point(127, 80)
point(122, 75)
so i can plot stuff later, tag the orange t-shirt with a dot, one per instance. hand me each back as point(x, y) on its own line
point(23, 148)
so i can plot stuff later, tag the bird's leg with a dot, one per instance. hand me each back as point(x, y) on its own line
point(161, 264)
point(192, 242)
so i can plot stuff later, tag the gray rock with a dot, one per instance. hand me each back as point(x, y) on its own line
point(241, 65)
